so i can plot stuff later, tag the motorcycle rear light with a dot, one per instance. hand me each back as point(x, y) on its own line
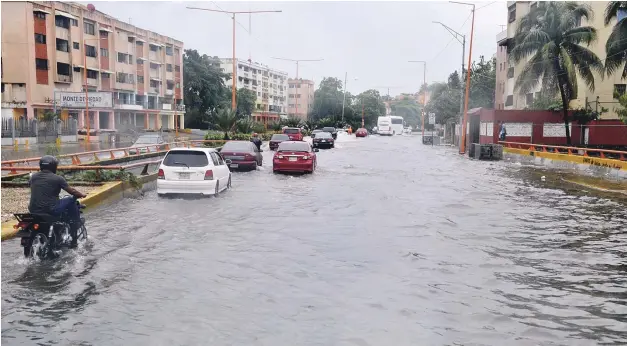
point(36, 226)
point(209, 175)
point(161, 174)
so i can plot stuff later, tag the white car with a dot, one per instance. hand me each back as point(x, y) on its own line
point(193, 171)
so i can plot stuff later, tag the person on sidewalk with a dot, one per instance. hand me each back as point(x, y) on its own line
point(45, 187)
point(502, 132)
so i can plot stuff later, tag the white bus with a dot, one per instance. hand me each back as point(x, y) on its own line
point(390, 125)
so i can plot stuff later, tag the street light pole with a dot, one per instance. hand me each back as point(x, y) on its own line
point(462, 145)
point(233, 13)
point(424, 96)
point(297, 81)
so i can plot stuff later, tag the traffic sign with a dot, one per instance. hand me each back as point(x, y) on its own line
point(432, 118)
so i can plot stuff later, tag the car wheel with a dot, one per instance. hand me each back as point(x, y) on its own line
point(217, 192)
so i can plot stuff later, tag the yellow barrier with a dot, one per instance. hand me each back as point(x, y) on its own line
point(579, 159)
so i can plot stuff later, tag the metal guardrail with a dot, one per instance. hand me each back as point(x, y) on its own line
point(93, 156)
point(558, 149)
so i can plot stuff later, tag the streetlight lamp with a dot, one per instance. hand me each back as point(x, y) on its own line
point(462, 145)
point(345, 91)
point(424, 97)
point(457, 35)
point(233, 13)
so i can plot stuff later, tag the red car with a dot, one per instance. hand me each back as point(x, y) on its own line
point(277, 139)
point(294, 133)
point(361, 132)
point(294, 156)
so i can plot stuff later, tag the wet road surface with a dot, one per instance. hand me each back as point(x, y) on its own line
point(389, 242)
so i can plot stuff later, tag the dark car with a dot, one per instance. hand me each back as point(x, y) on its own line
point(324, 139)
point(243, 155)
point(277, 139)
point(313, 133)
point(331, 130)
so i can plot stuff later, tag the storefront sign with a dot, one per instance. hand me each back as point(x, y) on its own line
point(77, 99)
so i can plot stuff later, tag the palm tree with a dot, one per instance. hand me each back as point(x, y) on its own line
point(225, 121)
point(292, 121)
point(551, 36)
point(616, 45)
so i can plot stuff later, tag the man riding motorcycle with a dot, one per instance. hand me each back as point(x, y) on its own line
point(256, 140)
point(45, 187)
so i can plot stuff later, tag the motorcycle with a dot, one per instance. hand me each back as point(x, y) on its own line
point(44, 235)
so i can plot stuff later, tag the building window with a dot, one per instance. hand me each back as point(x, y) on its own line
point(125, 58)
point(619, 90)
point(103, 34)
point(510, 72)
point(177, 68)
point(124, 78)
point(39, 15)
point(62, 22)
point(511, 13)
point(74, 22)
point(91, 74)
point(76, 69)
point(177, 53)
point(168, 50)
point(154, 84)
point(39, 38)
point(140, 43)
point(41, 64)
point(131, 39)
point(90, 51)
point(509, 101)
point(104, 52)
point(140, 61)
point(154, 48)
point(529, 99)
point(63, 69)
point(77, 45)
point(168, 67)
point(63, 45)
point(140, 79)
point(90, 28)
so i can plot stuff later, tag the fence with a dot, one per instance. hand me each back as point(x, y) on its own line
point(19, 128)
point(45, 131)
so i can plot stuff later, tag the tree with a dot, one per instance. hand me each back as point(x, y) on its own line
point(482, 83)
point(225, 121)
point(622, 111)
point(549, 34)
point(204, 87)
point(369, 102)
point(291, 121)
point(328, 99)
point(616, 45)
point(246, 100)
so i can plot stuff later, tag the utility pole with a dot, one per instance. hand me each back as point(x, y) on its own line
point(462, 145)
point(233, 13)
point(345, 91)
point(424, 96)
point(297, 81)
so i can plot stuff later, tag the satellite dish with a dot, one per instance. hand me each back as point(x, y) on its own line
point(91, 7)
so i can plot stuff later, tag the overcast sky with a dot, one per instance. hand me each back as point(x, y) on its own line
point(371, 41)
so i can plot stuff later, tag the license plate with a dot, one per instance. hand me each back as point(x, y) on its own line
point(324, 140)
point(292, 159)
point(184, 175)
point(234, 165)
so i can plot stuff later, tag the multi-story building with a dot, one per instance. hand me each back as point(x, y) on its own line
point(300, 97)
point(604, 87)
point(50, 48)
point(268, 84)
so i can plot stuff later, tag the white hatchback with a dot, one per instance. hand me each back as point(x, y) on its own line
point(193, 171)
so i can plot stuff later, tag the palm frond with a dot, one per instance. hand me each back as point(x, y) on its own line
point(616, 49)
point(569, 78)
point(532, 73)
point(611, 10)
point(582, 34)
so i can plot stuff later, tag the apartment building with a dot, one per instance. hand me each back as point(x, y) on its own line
point(268, 84)
point(507, 74)
point(133, 76)
point(300, 97)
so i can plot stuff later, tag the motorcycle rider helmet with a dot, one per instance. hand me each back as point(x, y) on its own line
point(48, 163)
point(254, 134)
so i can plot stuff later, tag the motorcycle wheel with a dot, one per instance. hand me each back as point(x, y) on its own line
point(82, 233)
point(39, 245)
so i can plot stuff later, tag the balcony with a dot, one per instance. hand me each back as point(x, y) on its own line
point(65, 79)
point(153, 90)
point(123, 104)
point(92, 82)
point(169, 92)
point(501, 36)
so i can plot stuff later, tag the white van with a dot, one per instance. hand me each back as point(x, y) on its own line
point(390, 125)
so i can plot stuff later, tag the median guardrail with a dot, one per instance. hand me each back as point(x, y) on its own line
point(558, 149)
point(144, 164)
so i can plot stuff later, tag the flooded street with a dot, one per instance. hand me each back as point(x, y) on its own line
point(389, 242)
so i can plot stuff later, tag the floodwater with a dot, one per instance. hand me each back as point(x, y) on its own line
point(389, 242)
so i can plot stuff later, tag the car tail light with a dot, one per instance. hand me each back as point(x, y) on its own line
point(161, 174)
point(280, 156)
point(248, 156)
point(306, 157)
point(209, 175)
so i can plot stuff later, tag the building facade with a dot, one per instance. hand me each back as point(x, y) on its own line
point(300, 97)
point(603, 95)
point(502, 89)
point(50, 48)
point(268, 84)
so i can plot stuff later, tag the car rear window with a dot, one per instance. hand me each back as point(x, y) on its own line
point(191, 158)
point(237, 146)
point(294, 146)
point(280, 138)
point(291, 131)
point(323, 135)
point(329, 129)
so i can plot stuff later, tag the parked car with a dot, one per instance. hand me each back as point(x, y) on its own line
point(294, 156)
point(243, 155)
point(331, 130)
point(152, 140)
point(294, 133)
point(313, 133)
point(193, 171)
point(361, 132)
point(324, 139)
point(277, 139)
